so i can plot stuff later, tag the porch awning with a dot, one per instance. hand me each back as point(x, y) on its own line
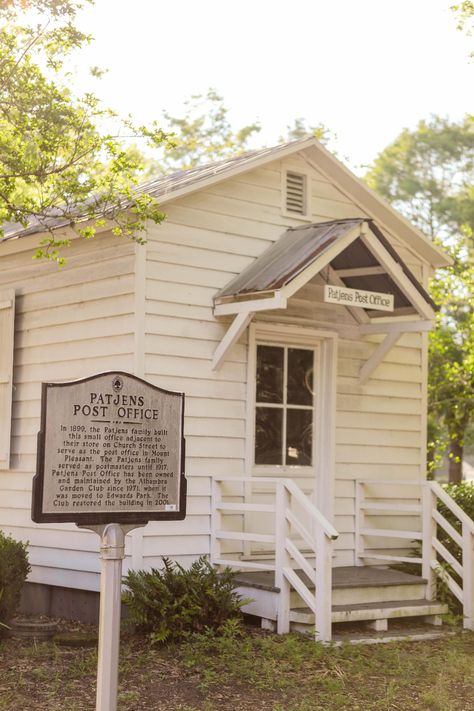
point(351, 253)
point(351, 259)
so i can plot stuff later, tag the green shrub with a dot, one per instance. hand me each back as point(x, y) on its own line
point(174, 601)
point(463, 495)
point(14, 568)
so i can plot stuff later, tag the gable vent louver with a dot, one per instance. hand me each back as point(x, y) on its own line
point(296, 193)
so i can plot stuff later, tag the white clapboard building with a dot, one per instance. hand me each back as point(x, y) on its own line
point(289, 303)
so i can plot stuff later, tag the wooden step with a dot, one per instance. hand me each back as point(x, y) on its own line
point(351, 585)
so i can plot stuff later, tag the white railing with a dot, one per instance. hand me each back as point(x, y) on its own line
point(436, 560)
point(299, 534)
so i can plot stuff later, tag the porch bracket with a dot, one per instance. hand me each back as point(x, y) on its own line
point(237, 327)
point(378, 355)
point(277, 301)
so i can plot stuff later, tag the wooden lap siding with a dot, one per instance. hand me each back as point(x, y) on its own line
point(81, 319)
point(208, 238)
point(70, 322)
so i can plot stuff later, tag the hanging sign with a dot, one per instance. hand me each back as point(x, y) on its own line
point(371, 300)
point(110, 450)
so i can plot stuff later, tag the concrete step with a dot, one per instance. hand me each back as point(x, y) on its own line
point(412, 631)
point(381, 611)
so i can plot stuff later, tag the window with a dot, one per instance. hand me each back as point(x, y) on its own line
point(284, 405)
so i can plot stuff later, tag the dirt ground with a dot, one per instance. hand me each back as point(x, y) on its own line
point(249, 671)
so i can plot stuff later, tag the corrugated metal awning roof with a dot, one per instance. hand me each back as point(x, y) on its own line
point(287, 257)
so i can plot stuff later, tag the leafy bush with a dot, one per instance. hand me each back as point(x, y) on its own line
point(463, 495)
point(174, 601)
point(14, 568)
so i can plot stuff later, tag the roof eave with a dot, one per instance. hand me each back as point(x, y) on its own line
point(253, 162)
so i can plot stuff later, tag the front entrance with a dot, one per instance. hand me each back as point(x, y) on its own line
point(290, 420)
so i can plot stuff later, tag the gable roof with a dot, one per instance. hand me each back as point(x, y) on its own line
point(170, 187)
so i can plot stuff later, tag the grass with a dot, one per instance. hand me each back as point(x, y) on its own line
point(243, 671)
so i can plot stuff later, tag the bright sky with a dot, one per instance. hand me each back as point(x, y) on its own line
point(364, 68)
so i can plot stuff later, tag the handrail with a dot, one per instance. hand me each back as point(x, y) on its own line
point(392, 482)
point(314, 512)
point(430, 493)
point(303, 500)
point(318, 536)
point(449, 502)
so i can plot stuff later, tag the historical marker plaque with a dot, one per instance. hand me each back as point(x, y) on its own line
point(110, 450)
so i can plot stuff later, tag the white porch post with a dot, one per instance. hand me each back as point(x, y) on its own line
point(282, 559)
point(468, 576)
point(429, 532)
point(324, 485)
point(323, 546)
point(359, 523)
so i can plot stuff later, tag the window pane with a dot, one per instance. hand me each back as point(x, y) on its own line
point(299, 437)
point(269, 374)
point(300, 376)
point(268, 435)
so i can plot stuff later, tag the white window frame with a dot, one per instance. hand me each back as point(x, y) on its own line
point(307, 216)
point(322, 468)
point(288, 469)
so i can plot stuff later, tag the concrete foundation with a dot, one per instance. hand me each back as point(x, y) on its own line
point(65, 603)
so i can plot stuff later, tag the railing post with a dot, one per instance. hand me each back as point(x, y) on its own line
point(216, 519)
point(323, 591)
point(359, 523)
point(468, 576)
point(429, 503)
point(282, 559)
point(247, 498)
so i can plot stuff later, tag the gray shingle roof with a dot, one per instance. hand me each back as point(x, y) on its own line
point(165, 185)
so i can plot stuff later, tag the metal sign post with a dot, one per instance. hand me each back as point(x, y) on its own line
point(112, 552)
point(110, 459)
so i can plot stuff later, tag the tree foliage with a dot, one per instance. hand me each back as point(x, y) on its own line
point(302, 129)
point(55, 161)
point(428, 174)
point(465, 15)
point(202, 134)
point(451, 373)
